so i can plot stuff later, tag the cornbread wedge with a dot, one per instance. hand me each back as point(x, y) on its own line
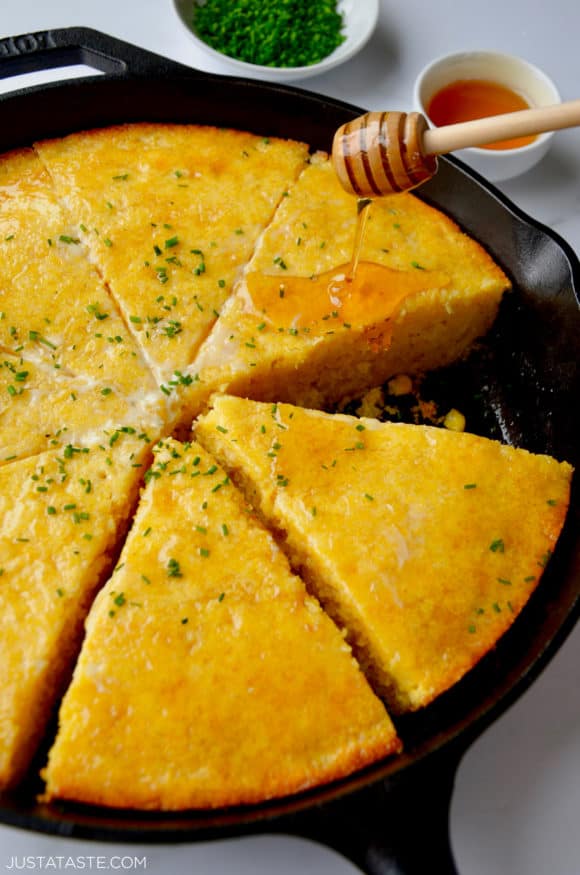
point(414, 538)
point(61, 514)
point(170, 214)
point(208, 676)
point(41, 408)
point(432, 291)
point(54, 308)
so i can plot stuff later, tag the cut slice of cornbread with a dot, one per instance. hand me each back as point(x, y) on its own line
point(413, 537)
point(274, 341)
point(208, 676)
point(171, 214)
point(61, 514)
point(54, 308)
point(41, 408)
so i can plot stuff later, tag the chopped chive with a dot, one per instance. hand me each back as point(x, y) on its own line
point(173, 569)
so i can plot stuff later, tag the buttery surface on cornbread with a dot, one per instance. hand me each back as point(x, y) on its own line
point(170, 214)
point(412, 537)
point(142, 268)
point(41, 408)
point(208, 676)
point(54, 308)
point(272, 345)
point(61, 514)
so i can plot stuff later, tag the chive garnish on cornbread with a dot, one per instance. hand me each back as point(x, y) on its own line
point(170, 215)
point(142, 267)
point(54, 307)
point(61, 515)
point(42, 408)
point(424, 574)
point(208, 676)
point(280, 338)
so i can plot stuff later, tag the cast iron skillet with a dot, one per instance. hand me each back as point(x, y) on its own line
point(393, 816)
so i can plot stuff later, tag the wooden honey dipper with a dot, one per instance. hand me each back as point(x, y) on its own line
point(382, 153)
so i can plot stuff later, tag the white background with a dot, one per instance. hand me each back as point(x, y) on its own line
point(516, 807)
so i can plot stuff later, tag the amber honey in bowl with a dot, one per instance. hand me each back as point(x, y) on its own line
point(467, 99)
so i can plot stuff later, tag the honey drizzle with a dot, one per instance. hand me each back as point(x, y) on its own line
point(354, 295)
point(362, 213)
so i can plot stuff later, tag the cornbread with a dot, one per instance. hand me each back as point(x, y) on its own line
point(54, 308)
point(208, 676)
point(431, 293)
point(41, 408)
point(61, 514)
point(170, 215)
point(412, 537)
point(144, 268)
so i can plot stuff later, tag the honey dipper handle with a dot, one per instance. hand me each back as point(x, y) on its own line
point(438, 141)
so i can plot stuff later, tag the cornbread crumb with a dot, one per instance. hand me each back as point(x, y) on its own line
point(454, 420)
point(401, 384)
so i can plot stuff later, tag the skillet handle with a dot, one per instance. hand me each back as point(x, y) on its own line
point(65, 47)
point(397, 827)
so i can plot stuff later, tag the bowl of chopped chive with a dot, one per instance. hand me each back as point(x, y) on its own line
point(279, 40)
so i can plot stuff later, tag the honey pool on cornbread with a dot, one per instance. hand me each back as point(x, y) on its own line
point(278, 339)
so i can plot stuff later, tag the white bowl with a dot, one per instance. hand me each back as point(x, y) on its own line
point(508, 70)
point(359, 17)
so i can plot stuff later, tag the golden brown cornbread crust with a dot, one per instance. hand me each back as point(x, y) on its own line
point(170, 214)
point(123, 255)
point(208, 676)
point(252, 355)
point(411, 537)
point(61, 516)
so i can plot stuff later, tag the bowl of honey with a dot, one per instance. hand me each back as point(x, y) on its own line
point(476, 84)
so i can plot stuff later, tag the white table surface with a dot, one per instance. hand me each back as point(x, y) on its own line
point(516, 807)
